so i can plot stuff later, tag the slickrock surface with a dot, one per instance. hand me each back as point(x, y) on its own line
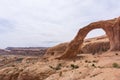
point(104, 66)
point(91, 59)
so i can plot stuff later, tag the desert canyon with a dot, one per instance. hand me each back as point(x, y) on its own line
point(95, 58)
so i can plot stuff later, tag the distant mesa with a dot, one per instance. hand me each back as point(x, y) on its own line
point(32, 51)
point(4, 52)
point(26, 48)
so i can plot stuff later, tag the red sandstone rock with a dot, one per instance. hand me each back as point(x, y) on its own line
point(112, 29)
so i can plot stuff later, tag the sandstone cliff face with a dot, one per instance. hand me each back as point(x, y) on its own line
point(57, 50)
point(112, 29)
point(94, 45)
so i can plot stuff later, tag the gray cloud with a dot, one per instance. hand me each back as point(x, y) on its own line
point(6, 26)
point(36, 22)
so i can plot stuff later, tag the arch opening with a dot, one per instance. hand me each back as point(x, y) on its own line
point(95, 33)
point(95, 42)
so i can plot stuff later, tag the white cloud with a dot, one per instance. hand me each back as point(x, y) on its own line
point(40, 22)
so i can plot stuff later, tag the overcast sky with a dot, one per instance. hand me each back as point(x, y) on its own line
point(49, 22)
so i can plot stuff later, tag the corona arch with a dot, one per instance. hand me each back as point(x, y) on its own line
point(111, 28)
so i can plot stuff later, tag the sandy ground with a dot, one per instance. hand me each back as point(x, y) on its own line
point(105, 66)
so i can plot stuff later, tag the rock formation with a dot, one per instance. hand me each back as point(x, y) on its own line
point(94, 45)
point(28, 51)
point(4, 52)
point(112, 29)
point(57, 50)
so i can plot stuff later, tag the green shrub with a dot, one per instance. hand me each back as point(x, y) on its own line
point(86, 61)
point(93, 65)
point(116, 54)
point(74, 66)
point(115, 65)
point(58, 67)
point(94, 61)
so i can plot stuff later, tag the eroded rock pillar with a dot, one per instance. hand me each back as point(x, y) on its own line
point(115, 36)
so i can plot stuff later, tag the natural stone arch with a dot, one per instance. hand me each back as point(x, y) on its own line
point(111, 27)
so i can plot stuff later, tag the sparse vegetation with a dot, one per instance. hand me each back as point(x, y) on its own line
point(58, 67)
point(80, 72)
point(86, 61)
point(94, 61)
point(115, 65)
point(74, 66)
point(116, 54)
point(93, 65)
point(19, 59)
